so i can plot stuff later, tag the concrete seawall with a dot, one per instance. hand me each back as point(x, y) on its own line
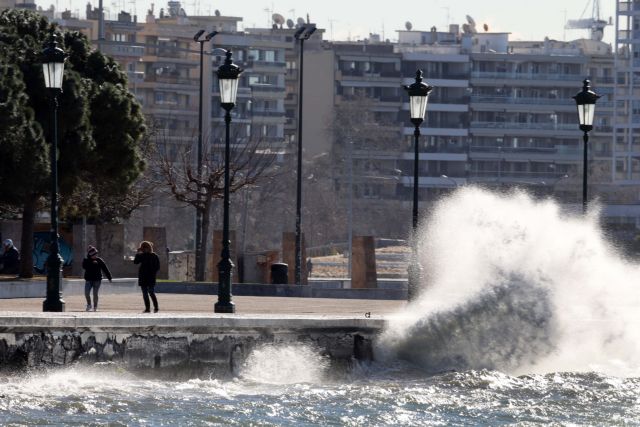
point(197, 344)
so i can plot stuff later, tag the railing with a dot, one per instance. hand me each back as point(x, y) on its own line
point(151, 77)
point(511, 100)
point(268, 112)
point(526, 76)
point(497, 150)
point(266, 88)
point(272, 64)
point(516, 125)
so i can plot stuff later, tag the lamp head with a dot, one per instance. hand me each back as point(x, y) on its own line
point(228, 74)
point(53, 64)
point(196, 37)
point(418, 93)
point(586, 103)
point(211, 35)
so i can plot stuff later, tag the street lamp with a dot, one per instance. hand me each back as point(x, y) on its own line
point(302, 33)
point(453, 181)
point(228, 78)
point(586, 103)
point(200, 262)
point(53, 69)
point(418, 96)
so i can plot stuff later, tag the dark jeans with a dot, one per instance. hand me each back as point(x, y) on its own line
point(95, 284)
point(146, 292)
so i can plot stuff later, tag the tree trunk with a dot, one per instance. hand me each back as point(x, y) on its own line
point(26, 244)
point(201, 261)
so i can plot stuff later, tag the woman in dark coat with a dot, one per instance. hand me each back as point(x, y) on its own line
point(149, 266)
point(93, 267)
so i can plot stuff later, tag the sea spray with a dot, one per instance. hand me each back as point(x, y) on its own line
point(285, 364)
point(518, 285)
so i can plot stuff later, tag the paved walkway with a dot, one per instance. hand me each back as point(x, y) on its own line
point(182, 304)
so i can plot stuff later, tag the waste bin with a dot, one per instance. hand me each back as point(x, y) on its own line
point(279, 273)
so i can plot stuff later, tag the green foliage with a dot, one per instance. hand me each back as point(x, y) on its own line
point(23, 151)
point(100, 124)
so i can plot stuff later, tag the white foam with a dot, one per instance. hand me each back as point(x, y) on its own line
point(552, 278)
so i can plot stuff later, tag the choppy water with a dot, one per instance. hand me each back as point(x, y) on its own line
point(527, 315)
point(394, 397)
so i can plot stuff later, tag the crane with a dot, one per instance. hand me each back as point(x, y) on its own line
point(595, 24)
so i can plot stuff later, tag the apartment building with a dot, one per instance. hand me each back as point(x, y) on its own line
point(625, 141)
point(501, 114)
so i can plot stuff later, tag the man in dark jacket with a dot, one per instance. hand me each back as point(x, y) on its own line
point(93, 267)
point(10, 258)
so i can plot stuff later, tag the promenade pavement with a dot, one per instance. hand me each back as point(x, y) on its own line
point(183, 304)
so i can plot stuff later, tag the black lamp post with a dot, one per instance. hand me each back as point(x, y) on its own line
point(228, 77)
point(53, 69)
point(200, 263)
point(418, 96)
point(586, 102)
point(302, 33)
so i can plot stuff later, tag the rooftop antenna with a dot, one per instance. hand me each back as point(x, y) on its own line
point(269, 14)
point(331, 21)
point(448, 9)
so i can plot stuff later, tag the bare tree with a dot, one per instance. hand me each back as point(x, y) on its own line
point(176, 171)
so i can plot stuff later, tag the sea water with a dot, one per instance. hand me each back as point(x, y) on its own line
point(527, 314)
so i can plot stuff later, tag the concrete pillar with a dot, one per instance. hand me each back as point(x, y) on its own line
point(363, 264)
point(110, 245)
point(182, 266)
point(217, 251)
point(158, 236)
point(82, 238)
point(289, 256)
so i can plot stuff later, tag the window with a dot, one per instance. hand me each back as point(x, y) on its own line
point(269, 56)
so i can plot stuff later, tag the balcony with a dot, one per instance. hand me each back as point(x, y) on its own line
point(492, 99)
point(525, 126)
point(503, 75)
point(175, 80)
point(268, 112)
point(266, 88)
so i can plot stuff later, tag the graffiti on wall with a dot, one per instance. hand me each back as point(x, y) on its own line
point(41, 243)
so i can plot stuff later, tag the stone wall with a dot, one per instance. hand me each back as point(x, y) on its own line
point(199, 346)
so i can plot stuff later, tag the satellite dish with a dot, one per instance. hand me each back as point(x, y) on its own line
point(217, 12)
point(486, 27)
point(277, 19)
point(408, 25)
point(471, 26)
point(290, 23)
point(300, 21)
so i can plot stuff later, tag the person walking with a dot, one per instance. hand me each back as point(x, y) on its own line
point(149, 266)
point(93, 266)
point(10, 259)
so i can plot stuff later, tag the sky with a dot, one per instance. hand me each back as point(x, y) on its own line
point(356, 19)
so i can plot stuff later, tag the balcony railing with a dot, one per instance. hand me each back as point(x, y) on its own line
point(511, 100)
point(503, 75)
point(266, 88)
point(517, 125)
point(268, 112)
